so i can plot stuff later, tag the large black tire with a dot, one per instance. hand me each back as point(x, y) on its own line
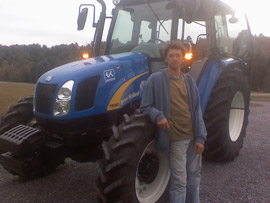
point(132, 170)
point(20, 113)
point(226, 116)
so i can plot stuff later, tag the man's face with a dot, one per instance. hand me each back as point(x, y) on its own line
point(174, 58)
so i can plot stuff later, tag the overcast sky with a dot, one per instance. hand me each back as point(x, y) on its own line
point(48, 22)
point(53, 22)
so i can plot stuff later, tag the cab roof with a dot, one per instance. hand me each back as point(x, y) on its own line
point(200, 8)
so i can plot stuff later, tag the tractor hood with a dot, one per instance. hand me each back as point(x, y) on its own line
point(99, 85)
point(85, 68)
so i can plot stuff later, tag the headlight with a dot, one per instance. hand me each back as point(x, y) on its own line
point(61, 105)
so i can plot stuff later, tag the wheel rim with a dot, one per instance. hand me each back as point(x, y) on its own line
point(237, 113)
point(152, 175)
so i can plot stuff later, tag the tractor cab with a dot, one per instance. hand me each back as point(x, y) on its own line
point(206, 27)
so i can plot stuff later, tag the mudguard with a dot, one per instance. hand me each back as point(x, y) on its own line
point(209, 76)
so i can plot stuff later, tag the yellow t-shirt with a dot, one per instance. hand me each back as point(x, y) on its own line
point(180, 117)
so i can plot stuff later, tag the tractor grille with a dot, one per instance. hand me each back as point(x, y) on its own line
point(44, 97)
point(86, 92)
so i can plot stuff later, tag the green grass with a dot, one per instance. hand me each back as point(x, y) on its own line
point(263, 98)
point(10, 93)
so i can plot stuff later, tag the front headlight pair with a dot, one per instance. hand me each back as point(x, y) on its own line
point(62, 102)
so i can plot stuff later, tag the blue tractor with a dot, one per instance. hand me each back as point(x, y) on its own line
point(88, 110)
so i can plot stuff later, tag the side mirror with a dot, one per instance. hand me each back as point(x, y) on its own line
point(82, 18)
point(233, 20)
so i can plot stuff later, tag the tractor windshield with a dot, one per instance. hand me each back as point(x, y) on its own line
point(147, 27)
point(141, 23)
point(144, 26)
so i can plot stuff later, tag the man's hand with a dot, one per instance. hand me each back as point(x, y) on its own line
point(163, 124)
point(198, 147)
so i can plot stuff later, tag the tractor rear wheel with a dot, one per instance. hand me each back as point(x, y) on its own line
point(132, 170)
point(226, 116)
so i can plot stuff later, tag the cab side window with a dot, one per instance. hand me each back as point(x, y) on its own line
point(194, 34)
point(239, 35)
point(232, 35)
point(223, 42)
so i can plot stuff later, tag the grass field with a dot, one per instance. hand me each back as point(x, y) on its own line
point(11, 92)
point(261, 97)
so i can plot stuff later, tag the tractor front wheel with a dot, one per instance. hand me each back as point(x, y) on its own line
point(132, 170)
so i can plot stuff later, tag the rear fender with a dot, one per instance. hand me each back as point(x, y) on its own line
point(209, 76)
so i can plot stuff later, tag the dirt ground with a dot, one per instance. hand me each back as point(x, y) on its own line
point(245, 180)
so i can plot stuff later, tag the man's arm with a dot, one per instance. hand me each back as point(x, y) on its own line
point(201, 130)
point(164, 124)
point(198, 147)
point(148, 104)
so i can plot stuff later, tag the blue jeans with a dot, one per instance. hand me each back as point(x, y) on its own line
point(185, 167)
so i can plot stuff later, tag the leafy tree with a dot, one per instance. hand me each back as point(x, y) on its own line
point(26, 63)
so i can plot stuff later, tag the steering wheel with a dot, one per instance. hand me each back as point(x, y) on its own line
point(159, 40)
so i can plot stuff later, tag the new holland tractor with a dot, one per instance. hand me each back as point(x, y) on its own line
point(88, 110)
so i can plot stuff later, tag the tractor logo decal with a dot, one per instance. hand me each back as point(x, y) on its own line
point(48, 79)
point(115, 102)
point(129, 97)
point(109, 75)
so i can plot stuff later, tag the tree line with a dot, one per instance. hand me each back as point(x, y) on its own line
point(26, 63)
point(260, 70)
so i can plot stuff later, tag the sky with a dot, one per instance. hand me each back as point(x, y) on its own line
point(54, 22)
point(46, 22)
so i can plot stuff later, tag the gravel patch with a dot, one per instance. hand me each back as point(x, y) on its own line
point(245, 180)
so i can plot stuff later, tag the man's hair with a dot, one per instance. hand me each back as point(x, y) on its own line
point(176, 44)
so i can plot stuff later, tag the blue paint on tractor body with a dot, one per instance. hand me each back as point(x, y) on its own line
point(115, 71)
point(209, 76)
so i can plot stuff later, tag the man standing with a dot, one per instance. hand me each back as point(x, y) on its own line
point(171, 100)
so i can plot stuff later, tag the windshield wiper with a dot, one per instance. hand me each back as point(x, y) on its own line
point(199, 23)
point(160, 23)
